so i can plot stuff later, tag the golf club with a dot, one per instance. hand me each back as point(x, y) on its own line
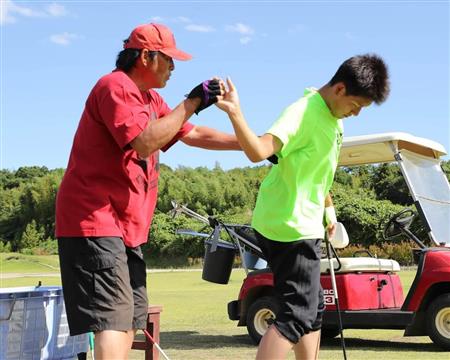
point(150, 338)
point(335, 292)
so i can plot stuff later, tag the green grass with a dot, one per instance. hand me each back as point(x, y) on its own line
point(195, 324)
point(20, 263)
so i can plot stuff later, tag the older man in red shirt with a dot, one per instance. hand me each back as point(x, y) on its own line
point(108, 194)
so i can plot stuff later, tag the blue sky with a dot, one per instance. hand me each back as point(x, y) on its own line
point(52, 53)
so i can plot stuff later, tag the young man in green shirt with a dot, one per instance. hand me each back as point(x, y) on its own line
point(293, 198)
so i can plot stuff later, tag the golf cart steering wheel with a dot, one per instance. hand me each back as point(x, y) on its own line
point(401, 220)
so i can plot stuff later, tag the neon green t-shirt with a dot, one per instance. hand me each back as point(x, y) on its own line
point(291, 199)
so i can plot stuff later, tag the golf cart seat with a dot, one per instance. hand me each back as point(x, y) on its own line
point(360, 264)
point(355, 264)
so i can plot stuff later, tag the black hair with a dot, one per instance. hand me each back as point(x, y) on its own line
point(364, 75)
point(126, 59)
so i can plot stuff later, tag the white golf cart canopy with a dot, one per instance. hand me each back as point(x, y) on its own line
point(420, 163)
point(377, 148)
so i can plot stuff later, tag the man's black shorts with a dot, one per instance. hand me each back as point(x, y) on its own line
point(104, 284)
point(296, 270)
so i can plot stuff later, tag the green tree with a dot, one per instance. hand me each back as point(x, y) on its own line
point(32, 236)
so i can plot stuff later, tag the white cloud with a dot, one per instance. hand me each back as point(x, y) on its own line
point(156, 19)
point(63, 39)
point(10, 12)
point(199, 28)
point(240, 28)
point(56, 10)
point(5, 13)
point(245, 40)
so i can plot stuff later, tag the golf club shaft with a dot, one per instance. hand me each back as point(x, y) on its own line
point(335, 293)
point(156, 344)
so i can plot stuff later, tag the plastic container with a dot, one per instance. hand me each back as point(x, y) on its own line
point(254, 262)
point(33, 325)
point(217, 265)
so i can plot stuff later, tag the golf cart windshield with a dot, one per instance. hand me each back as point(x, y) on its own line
point(429, 186)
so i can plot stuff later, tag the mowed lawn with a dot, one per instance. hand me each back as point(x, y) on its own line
point(195, 324)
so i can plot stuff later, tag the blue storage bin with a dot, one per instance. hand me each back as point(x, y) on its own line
point(33, 325)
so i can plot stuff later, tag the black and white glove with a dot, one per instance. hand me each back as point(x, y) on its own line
point(207, 91)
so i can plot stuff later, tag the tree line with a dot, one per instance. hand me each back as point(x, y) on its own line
point(365, 197)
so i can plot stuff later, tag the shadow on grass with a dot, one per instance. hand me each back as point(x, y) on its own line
point(379, 345)
point(188, 340)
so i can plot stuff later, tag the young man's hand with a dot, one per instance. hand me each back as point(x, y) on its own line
point(230, 101)
point(331, 230)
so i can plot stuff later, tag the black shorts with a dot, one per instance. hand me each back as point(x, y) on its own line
point(296, 270)
point(104, 284)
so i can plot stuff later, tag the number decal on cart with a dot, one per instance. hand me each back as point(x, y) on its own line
point(328, 297)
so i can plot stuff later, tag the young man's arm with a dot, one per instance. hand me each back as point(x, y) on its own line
point(211, 139)
point(256, 148)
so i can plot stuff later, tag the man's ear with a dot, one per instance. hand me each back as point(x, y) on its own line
point(144, 57)
point(339, 89)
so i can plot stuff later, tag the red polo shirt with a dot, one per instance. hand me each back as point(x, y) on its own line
point(107, 190)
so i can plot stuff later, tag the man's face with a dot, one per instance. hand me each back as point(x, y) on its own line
point(164, 67)
point(347, 105)
point(158, 70)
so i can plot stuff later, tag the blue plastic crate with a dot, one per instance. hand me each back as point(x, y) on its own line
point(33, 325)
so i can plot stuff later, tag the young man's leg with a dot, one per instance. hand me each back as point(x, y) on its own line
point(296, 269)
point(273, 345)
point(308, 346)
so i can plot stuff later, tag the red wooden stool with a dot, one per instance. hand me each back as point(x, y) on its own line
point(151, 352)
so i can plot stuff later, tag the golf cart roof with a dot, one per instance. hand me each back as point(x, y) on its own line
point(377, 148)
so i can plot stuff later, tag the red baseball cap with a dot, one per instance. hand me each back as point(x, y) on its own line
point(155, 37)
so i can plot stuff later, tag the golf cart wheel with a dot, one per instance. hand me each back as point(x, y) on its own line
point(260, 316)
point(438, 321)
point(329, 333)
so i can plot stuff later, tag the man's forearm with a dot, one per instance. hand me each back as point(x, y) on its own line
point(211, 139)
point(160, 131)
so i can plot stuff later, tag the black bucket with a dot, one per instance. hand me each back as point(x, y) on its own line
point(217, 265)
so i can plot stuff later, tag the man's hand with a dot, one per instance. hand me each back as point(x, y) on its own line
point(330, 217)
point(230, 101)
point(208, 92)
point(331, 230)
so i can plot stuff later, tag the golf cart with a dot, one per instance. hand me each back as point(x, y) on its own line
point(370, 292)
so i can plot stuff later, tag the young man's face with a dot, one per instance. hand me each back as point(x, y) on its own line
point(347, 105)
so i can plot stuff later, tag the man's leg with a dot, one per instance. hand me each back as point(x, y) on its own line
point(296, 269)
point(113, 344)
point(97, 292)
point(117, 344)
point(273, 345)
point(308, 346)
